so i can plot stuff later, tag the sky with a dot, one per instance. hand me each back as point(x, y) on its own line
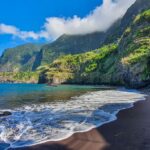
point(42, 21)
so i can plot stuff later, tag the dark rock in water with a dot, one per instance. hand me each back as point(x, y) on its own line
point(5, 113)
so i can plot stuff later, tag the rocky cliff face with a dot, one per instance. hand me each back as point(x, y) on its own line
point(125, 63)
point(122, 59)
point(120, 26)
point(76, 44)
point(19, 77)
point(134, 51)
point(29, 57)
point(20, 58)
point(71, 44)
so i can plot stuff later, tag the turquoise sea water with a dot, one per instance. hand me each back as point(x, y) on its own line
point(16, 95)
point(42, 113)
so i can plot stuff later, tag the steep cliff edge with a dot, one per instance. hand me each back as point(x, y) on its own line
point(20, 58)
point(124, 63)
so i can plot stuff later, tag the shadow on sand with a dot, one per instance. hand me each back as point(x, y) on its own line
point(97, 139)
point(131, 131)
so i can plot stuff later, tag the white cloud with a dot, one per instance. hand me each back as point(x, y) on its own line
point(12, 30)
point(7, 29)
point(99, 19)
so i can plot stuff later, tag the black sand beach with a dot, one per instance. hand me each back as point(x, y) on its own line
point(131, 131)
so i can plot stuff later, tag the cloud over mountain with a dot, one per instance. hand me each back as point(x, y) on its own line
point(99, 19)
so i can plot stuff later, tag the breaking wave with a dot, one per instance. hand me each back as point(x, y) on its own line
point(34, 124)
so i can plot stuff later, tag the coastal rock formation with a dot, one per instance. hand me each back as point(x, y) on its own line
point(5, 113)
point(122, 55)
point(126, 62)
point(20, 58)
point(19, 77)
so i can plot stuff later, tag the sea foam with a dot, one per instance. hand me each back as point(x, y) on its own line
point(54, 121)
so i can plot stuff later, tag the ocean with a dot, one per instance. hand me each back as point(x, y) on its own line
point(41, 113)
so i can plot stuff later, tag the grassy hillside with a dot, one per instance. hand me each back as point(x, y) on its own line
point(125, 63)
point(20, 58)
point(76, 44)
point(29, 57)
point(122, 59)
point(19, 77)
point(69, 66)
point(134, 51)
point(116, 32)
point(71, 44)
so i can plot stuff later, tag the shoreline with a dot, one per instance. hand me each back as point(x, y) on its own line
point(81, 132)
point(62, 144)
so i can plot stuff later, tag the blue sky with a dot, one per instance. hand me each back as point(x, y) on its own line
point(31, 14)
point(23, 21)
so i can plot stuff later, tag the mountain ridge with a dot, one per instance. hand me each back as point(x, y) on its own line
point(124, 63)
point(121, 56)
point(20, 58)
point(74, 44)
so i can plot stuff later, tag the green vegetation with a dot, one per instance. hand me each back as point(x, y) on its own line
point(20, 58)
point(142, 17)
point(67, 67)
point(71, 44)
point(124, 63)
point(127, 31)
point(122, 59)
point(19, 77)
point(138, 54)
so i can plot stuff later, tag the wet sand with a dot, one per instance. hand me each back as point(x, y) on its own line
point(131, 131)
